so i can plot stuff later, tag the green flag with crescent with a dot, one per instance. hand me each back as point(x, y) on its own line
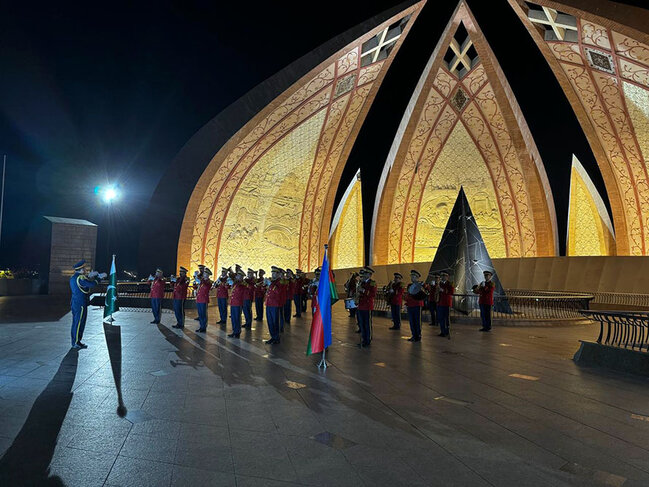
point(111, 294)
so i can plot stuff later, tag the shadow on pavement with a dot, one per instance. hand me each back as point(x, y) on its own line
point(33, 309)
point(27, 460)
point(113, 336)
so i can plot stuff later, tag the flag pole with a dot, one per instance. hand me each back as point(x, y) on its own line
point(323, 362)
point(2, 195)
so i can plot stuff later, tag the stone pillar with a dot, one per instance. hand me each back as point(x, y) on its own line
point(71, 240)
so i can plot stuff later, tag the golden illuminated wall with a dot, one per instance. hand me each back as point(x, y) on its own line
point(603, 68)
point(463, 128)
point(590, 231)
point(347, 245)
point(266, 196)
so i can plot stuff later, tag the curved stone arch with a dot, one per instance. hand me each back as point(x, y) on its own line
point(489, 110)
point(339, 90)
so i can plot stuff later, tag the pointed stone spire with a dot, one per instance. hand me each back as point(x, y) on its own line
point(463, 254)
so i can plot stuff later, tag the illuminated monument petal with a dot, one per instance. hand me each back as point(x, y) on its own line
point(463, 128)
point(346, 242)
point(599, 53)
point(590, 231)
point(266, 195)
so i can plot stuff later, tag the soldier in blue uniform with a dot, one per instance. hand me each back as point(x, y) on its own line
point(80, 285)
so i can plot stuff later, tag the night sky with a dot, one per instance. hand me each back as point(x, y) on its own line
point(90, 96)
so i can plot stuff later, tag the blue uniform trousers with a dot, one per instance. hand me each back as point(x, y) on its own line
point(443, 318)
point(202, 315)
point(280, 314)
point(395, 311)
point(297, 299)
point(485, 316)
point(247, 312)
point(433, 312)
point(156, 306)
point(235, 316)
point(223, 309)
point(179, 311)
point(287, 311)
point(365, 324)
point(259, 308)
point(79, 315)
point(414, 318)
point(272, 318)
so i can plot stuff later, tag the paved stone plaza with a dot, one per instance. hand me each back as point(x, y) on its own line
point(506, 408)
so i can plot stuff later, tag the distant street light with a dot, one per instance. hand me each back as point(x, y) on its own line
point(108, 194)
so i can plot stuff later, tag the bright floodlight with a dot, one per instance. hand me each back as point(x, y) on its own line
point(109, 194)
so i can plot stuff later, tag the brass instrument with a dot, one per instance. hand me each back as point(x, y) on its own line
point(417, 291)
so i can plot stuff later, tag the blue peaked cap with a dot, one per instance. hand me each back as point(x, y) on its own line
point(79, 264)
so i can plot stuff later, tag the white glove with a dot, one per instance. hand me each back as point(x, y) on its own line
point(173, 279)
point(196, 273)
point(151, 277)
point(92, 274)
point(103, 275)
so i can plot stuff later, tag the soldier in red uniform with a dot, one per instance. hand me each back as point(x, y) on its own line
point(366, 292)
point(431, 289)
point(260, 292)
point(274, 305)
point(198, 275)
point(203, 298)
point(290, 290)
point(298, 290)
point(486, 300)
point(313, 289)
point(446, 290)
point(157, 294)
point(395, 298)
point(222, 293)
point(181, 283)
point(250, 282)
point(239, 293)
point(414, 302)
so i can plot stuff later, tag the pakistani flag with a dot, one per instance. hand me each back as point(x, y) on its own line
point(111, 294)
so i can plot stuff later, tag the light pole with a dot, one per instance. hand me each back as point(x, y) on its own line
point(2, 194)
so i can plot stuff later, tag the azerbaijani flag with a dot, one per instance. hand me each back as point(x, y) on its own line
point(320, 334)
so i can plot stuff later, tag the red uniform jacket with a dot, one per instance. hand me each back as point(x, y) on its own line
point(396, 298)
point(292, 286)
point(222, 288)
point(411, 302)
point(180, 288)
point(275, 294)
point(158, 288)
point(239, 293)
point(260, 288)
point(431, 294)
point(250, 288)
point(486, 293)
point(366, 299)
point(446, 290)
point(302, 284)
point(203, 293)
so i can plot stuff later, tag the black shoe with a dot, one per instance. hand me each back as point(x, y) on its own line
point(233, 335)
point(431, 324)
point(177, 326)
point(221, 322)
point(394, 328)
point(417, 339)
point(269, 342)
point(154, 322)
point(198, 330)
point(196, 319)
point(82, 345)
point(484, 329)
point(248, 326)
point(357, 331)
point(412, 339)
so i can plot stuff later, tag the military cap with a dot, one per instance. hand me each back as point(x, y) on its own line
point(261, 272)
point(182, 269)
point(240, 272)
point(397, 274)
point(207, 271)
point(444, 273)
point(415, 273)
point(274, 268)
point(224, 269)
point(158, 270)
point(318, 269)
point(368, 269)
point(79, 265)
point(201, 266)
point(488, 272)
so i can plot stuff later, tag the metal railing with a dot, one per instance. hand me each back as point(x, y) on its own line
point(134, 296)
point(515, 307)
point(623, 329)
point(632, 300)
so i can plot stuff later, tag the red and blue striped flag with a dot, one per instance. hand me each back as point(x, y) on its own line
point(320, 335)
